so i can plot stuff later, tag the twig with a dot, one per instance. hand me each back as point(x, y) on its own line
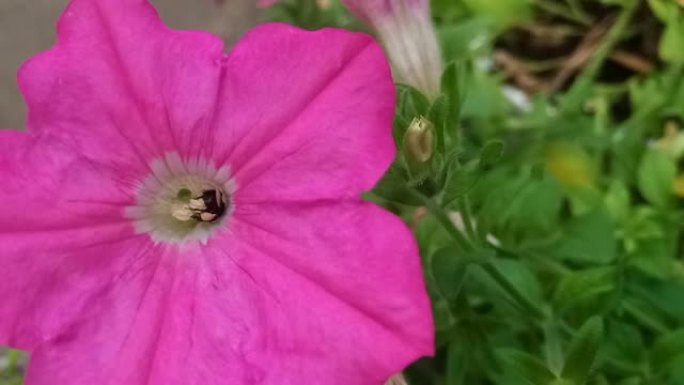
point(581, 56)
point(606, 46)
point(517, 71)
point(632, 61)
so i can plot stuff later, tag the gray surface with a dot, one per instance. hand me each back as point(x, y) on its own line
point(27, 27)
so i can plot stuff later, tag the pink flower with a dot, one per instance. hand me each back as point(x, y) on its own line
point(175, 215)
point(406, 30)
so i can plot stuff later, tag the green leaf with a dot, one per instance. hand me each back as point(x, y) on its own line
point(447, 9)
point(460, 180)
point(656, 175)
point(503, 14)
point(457, 359)
point(431, 235)
point(411, 103)
point(527, 366)
point(624, 348)
point(448, 269)
point(668, 351)
point(466, 38)
point(393, 187)
point(491, 153)
point(585, 286)
point(442, 317)
point(645, 314)
point(521, 276)
point(453, 84)
point(631, 381)
point(652, 257)
point(663, 300)
point(582, 352)
point(439, 117)
point(672, 40)
point(517, 203)
point(553, 350)
point(486, 99)
point(660, 8)
point(588, 238)
point(617, 200)
point(508, 284)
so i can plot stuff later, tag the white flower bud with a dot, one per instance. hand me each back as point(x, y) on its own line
point(406, 30)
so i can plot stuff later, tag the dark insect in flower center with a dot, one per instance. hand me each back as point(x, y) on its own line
point(214, 206)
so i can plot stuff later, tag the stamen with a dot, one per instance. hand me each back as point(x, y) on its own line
point(197, 204)
point(206, 208)
point(182, 212)
point(182, 204)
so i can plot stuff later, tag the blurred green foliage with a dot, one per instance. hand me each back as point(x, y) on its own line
point(550, 232)
point(11, 364)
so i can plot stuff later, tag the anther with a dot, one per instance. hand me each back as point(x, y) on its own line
point(208, 207)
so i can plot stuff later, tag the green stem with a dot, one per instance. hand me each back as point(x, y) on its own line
point(447, 224)
point(513, 291)
point(544, 262)
point(552, 345)
point(488, 266)
point(556, 9)
point(578, 10)
point(464, 210)
point(645, 319)
point(601, 123)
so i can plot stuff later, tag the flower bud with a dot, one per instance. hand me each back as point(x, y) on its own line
point(419, 144)
point(406, 30)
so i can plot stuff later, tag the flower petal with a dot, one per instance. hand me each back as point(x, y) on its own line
point(54, 215)
point(122, 85)
point(346, 278)
point(174, 322)
point(277, 302)
point(316, 124)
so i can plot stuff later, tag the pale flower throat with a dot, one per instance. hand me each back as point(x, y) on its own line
point(182, 201)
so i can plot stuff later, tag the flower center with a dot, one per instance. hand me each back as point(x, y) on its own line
point(208, 207)
point(182, 201)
